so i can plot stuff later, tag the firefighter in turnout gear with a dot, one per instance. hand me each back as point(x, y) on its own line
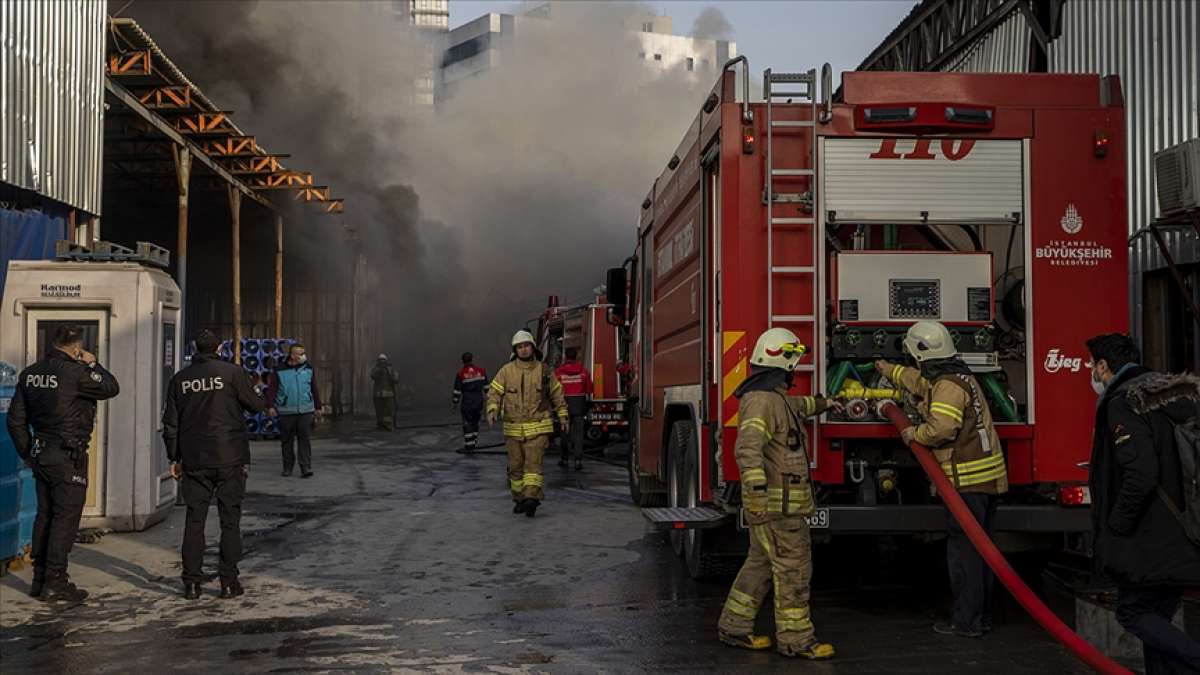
point(958, 429)
point(772, 459)
point(384, 378)
point(526, 393)
point(56, 397)
point(469, 383)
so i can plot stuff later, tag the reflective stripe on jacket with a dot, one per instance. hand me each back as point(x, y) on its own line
point(771, 450)
point(958, 429)
point(524, 392)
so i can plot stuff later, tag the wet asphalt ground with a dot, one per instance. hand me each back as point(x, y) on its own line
point(400, 555)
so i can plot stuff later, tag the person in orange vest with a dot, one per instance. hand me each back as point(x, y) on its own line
point(577, 387)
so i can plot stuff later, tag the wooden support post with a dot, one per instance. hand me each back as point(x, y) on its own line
point(183, 176)
point(235, 211)
point(278, 275)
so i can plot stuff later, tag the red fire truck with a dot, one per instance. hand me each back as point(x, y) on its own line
point(588, 329)
point(992, 203)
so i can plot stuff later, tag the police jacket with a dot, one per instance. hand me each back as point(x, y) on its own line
point(526, 393)
point(469, 382)
point(203, 422)
point(772, 446)
point(1137, 539)
point(957, 426)
point(57, 397)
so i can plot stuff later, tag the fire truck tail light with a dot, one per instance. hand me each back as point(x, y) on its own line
point(1100, 144)
point(1075, 495)
point(968, 115)
point(748, 140)
point(882, 115)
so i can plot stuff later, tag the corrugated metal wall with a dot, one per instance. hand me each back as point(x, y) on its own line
point(1153, 46)
point(51, 98)
point(1004, 50)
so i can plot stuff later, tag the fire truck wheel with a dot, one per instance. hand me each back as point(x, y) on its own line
point(645, 490)
point(678, 494)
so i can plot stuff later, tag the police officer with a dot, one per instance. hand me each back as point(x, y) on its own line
point(205, 433)
point(957, 427)
point(469, 383)
point(57, 398)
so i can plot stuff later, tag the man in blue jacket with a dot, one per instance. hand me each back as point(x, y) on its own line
point(294, 399)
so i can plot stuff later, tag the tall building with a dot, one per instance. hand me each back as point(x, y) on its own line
point(431, 18)
point(478, 46)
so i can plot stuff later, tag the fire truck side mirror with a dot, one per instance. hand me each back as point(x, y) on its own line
point(616, 284)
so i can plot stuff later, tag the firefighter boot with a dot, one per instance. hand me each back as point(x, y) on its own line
point(749, 641)
point(531, 506)
point(815, 651)
point(519, 507)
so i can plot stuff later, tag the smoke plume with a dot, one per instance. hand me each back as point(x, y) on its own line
point(713, 25)
point(525, 183)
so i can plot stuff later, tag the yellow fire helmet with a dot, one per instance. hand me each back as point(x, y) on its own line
point(521, 337)
point(927, 340)
point(778, 348)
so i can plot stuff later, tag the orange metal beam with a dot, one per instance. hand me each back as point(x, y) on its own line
point(335, 206)
point(244, 146)
point(203, 123)
point(129, 63)
point(171, 97)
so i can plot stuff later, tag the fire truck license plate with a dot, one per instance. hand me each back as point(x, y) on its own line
point(819, 520)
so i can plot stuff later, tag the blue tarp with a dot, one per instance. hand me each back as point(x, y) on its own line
point(27, 235)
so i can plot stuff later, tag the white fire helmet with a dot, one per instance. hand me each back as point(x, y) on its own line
point(383, 357)
point(928, 340)
point(778, 348)
point(521, 337)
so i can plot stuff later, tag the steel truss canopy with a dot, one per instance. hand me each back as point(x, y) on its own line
point(937, 31)
point(163, 109)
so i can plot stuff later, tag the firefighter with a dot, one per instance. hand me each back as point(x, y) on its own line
point(204, 430)
point(525, 392)
point(773, 462)
point(57, 397)
point(577, 386)
point(385, 379)
point(958, 428)
point(468, 398)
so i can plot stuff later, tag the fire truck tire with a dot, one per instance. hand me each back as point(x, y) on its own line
point(699, 546)
point(677, 478)
point(643, 489)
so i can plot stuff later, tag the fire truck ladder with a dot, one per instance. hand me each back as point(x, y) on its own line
point(800, 87)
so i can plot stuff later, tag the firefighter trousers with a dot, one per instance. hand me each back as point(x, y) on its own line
point(470, 425)
point(525, 466)
point(781, 560)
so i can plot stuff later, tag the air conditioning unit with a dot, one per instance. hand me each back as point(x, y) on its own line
point(1177, 177)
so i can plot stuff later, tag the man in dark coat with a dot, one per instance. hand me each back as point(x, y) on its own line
point(1135, 469)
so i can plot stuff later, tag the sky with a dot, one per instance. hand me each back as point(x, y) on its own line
point(778, 34)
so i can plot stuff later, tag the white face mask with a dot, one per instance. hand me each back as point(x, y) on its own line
point(1097, 385)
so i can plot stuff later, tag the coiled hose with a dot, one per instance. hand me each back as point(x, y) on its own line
point(991, 555)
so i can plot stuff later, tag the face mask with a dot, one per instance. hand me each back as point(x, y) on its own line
point(302, 358)
point(1098, 385)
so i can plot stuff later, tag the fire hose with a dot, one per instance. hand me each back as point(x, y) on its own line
point(991, 555)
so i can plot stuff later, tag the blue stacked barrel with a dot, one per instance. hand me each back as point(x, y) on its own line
point(260, 356)
point(18, 501)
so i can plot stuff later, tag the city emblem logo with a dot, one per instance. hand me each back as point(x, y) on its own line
point(1071, 221)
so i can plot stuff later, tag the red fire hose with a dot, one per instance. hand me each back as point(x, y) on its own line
point(995, 560)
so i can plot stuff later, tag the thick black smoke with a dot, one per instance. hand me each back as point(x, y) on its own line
point(525, 183)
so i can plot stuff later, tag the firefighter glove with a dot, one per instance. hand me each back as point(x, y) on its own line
point(491, 418)
point(908, 434)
